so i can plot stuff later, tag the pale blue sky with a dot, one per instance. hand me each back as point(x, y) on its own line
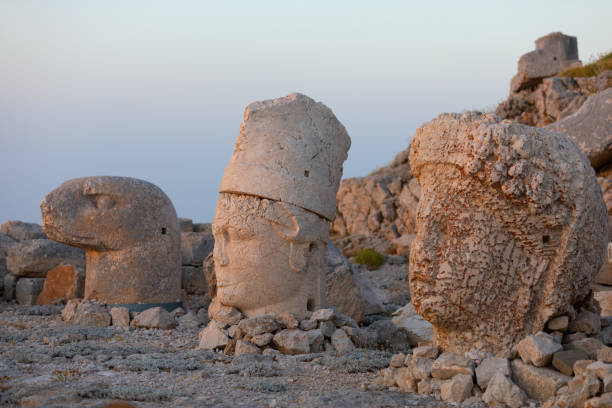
point(156, 89)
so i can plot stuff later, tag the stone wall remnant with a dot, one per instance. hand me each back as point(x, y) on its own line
point(511, 230)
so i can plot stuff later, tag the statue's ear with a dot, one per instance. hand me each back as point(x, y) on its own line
point(298, 256)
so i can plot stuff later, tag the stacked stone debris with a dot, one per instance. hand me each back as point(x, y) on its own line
point(325, 330)
point(27, 257)
point(569, 364)
point(78, 312)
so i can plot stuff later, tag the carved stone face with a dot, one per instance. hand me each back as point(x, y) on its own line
point(253, 260)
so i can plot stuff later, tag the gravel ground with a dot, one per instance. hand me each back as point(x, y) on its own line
point(44, 363)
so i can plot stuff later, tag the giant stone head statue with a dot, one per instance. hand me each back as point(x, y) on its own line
point(278, 195)
point(511, 229)
point(130, 232)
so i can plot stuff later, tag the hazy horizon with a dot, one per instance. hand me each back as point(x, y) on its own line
point(156, 90)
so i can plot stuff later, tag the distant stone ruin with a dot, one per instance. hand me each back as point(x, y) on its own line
point(554, 53)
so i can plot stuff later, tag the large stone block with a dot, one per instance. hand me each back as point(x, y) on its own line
point(193, 280)
point(34, 258)
point(28, 289)
point(195, 247)
point(62, 282)
point(130, 232)
point(538, 383)
point(511, 229)
point(21, 231)
point(591, 128)
point(554, 53)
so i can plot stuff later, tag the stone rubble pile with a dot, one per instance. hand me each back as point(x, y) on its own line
point(79, 312)
point(325, 330)
point(26, 257)
point(567, 365)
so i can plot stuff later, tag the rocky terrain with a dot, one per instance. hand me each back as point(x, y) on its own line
point(45, 363)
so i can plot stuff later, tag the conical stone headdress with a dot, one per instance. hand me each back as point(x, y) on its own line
point(289, 149)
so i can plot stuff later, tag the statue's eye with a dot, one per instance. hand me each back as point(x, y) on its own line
point(104, 202)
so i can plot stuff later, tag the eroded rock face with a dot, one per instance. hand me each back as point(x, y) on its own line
point(591, 128)
point(511, 229)
point(377, 211)
point(130, 232)
point(277, 200)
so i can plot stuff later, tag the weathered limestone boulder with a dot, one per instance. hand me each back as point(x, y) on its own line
point(377, 211)
point(487, 369)
point(258, 325)
point(34, 258)
point(154, 318)
point(448, 365)
point(418, 329)
point(62, 282)
point(213, 337)
point(195, 247)
point(85, 313)
point(224, 314)
point(28, 289)
point(553, 99)
point(6, 243)
point(292, 341)
point(591, 128)
point(120, 317)
point(511, 229)
point(564, 360)
point(130, 232)
point(538, 383)
point(604, 298)
point(554, 53)
point(278, 196)
point(21, 231)
point(345, 290)
point(457, 389)
point(341, 341)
